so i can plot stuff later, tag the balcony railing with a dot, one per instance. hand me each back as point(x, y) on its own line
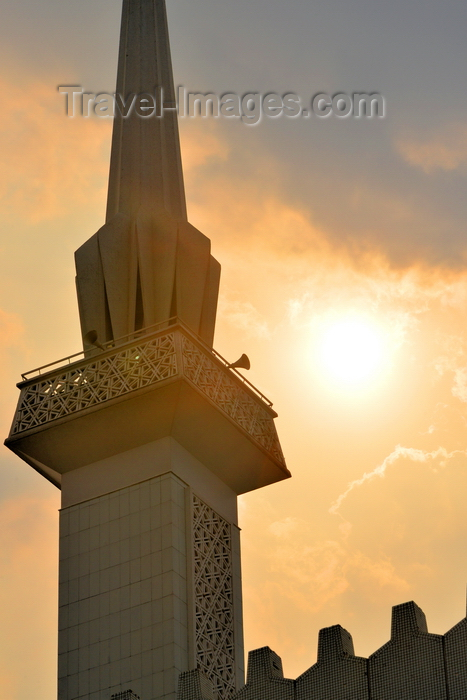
point(155, 357)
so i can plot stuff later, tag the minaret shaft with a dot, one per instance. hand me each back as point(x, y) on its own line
point(149, 576)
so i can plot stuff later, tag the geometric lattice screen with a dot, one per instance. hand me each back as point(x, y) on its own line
point(225, 391)
point(214, 613)
point(95, 381)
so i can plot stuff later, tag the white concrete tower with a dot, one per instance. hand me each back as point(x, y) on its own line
point(148, 432)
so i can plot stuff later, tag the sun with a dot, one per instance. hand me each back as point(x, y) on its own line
point(351, 351)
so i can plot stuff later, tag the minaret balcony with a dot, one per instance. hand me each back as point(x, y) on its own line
point(159, 382)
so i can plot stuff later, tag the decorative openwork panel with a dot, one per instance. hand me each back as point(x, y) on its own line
point(230, 396)
point(214, 610)
point(93, 382)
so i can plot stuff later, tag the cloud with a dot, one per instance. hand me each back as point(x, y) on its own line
point(28, 571)
point(445, 150)
point(396, 300)
point(453, 361)
point(400, 452)
point(12, 351)
point(244, 316)
point(239, 196)
point(310, 574)
point(50, 163)
point(285, 527)
point(242, 201)
point(460, 384)
point(366, 210)
point(11, 329)
point(313, 573)
point(377, 572)
point(202, 144)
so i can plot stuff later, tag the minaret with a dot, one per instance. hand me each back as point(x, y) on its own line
point(148, 432)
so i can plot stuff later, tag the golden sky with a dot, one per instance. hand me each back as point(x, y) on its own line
point(344, 278)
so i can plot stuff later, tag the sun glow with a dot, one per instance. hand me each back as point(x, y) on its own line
point(351, 351)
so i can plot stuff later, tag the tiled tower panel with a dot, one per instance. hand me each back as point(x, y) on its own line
point(123, 620)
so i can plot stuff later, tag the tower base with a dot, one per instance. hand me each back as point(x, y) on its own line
point(149, 576)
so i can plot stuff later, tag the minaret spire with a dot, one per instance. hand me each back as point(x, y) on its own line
point(146, 167)
point(147, 263)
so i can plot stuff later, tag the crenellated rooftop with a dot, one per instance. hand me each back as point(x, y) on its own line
point(413, 665)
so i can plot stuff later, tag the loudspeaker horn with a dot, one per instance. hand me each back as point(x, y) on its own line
point(243, 362)
point(91, 339)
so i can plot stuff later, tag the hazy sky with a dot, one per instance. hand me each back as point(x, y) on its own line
point(344, 278)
